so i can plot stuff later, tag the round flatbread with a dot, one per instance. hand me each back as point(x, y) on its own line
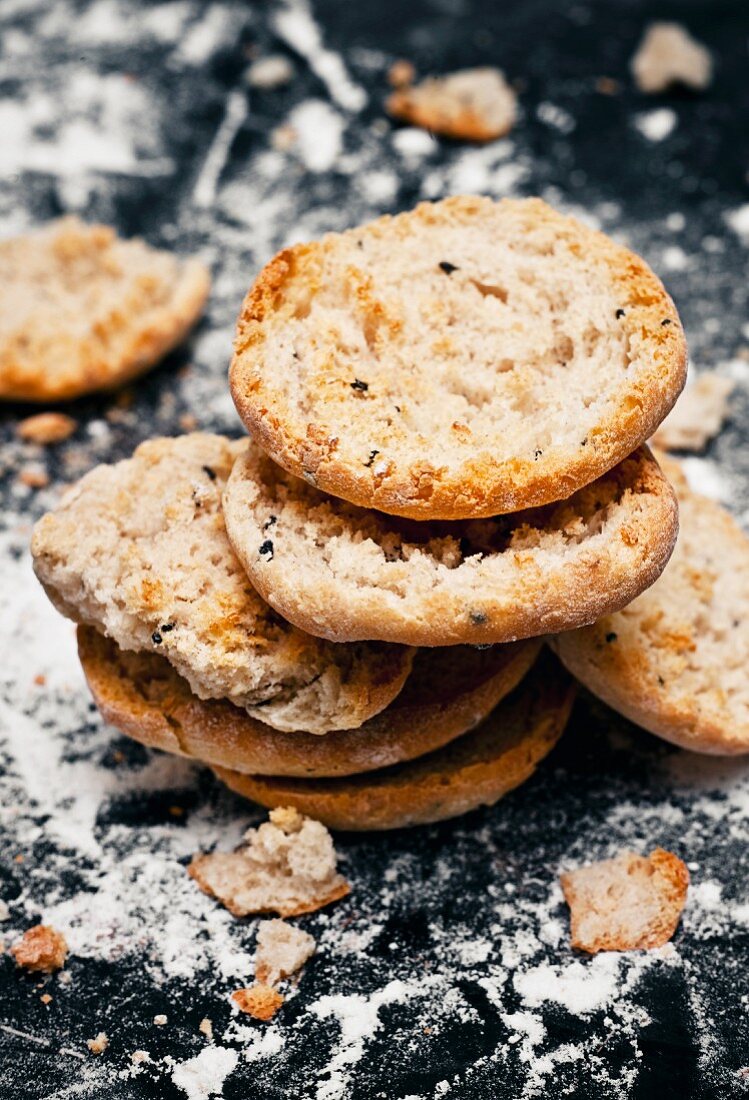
point(466, 359)
point(138, 550)
point(474, 770)
point(82, 310)
point(675, 661)
point(448, 693)
point(347, 573)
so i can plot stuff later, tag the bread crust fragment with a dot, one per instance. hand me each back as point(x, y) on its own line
point(346, 573)
point(447, 694)
point(474, 770)
point(674, 661)
point(468, 358)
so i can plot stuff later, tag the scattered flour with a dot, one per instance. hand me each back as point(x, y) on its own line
point(656, 125)
point(203, 1076)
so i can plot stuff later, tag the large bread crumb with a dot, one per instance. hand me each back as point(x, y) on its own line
point(45, 428)
point(470, 105)
point(669, 55)
point(286, 866)
point(626, 903)
point(281, 950)
point(41, 948)
point(697, 416)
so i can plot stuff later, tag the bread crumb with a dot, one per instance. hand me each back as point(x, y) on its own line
point(188, 422)
point(258, 1000)
point(697, 416)
point(159, 1019)
point(34, 477)
point(470, 105)
point(606, 85)
point(41, 948)
point(626, 903)
point(270, 72)
point(46, 998)
point(281, 950)
point(205, 1027)
point(99, 1044)
point(49, 427)
point(286, 866)
point(283, 138)
point(401, 73)
point(669, 55)
point(140, 1056)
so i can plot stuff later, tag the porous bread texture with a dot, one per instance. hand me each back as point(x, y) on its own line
point(41, 948)
point(285, 866)
point(474, 770)
point(262, 1002)
point(470, 105)
point(449, 692)
point(346, 573)
point(626, 903)
point(465, 359)
point(281, 950)
point(697, 416)
point(674, 661)
point(669, 55)
point(138, 550)
point(82, 310)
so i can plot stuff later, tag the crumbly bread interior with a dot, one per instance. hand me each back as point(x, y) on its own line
point(81, 309)
point(466, 358)
point(669, 55)
point(139, 551)
point(675, 659)
point(281, 950)
point(473, 104)
point(286, 866)
point(626, 903)
point(345, 572)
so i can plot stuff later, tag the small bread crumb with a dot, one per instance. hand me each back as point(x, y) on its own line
point(669, 55)
point(99, 1044)
point(159, 1019)
point(697, 416)
point(626, 903)
point(46, 999)
point(470, 105)
point(258, 1001)
point(401, 73)
point(49, 427)
point(34, 477)
point(281, 950)
point(139, 1056)
point(205, 1027)
point(286, 866)
point(41, 948)
point(270, 72)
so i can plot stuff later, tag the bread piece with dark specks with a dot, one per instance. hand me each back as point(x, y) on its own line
point(139, 551)
point(347, 573)
point(465, 359)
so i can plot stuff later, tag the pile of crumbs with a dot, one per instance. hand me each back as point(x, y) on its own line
point(452, 951)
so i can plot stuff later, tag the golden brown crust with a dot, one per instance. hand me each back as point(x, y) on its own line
point(258, 1000)
point(140, 314)
point(674, 660)
point(41, 948)
point(475, 770)
point(481, 485)
point(144, 697)
point(470, 105)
